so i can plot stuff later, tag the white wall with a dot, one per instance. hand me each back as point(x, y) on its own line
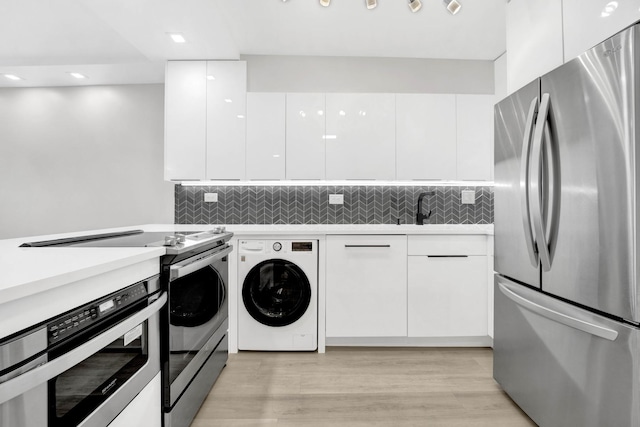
point(80, 158)
point(352, 74)
point(500, 84)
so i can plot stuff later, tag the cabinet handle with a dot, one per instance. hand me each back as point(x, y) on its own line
point(367, 246)
point(448, 256)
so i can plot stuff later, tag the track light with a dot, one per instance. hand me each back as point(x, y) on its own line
point(453, 6)
point(325, 3)
point(371, 4)
point(415, 5)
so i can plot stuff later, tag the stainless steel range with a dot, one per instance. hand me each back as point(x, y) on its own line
point(194, 272)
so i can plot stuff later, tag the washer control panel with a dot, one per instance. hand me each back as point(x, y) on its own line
point(249, 247)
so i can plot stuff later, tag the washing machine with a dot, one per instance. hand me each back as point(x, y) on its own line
point(278, 295)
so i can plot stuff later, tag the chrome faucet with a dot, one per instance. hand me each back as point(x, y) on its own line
point(420, 217)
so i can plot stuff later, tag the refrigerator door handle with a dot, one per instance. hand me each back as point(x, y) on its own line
point(590, 328)
point(524, 182)
point(536, 183)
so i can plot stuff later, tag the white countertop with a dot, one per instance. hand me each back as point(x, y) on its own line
point(28, 271)
point(327, 229)
point(32, 271)
point(45, 268)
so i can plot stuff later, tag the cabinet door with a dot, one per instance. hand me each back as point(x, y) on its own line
point(265, 136)
point(475, 137)
point(534, 40)
point(425, 136)
point(185, 120)
point(366, 286)
point(226, 109)
point(360, 136)
point(305, 136)
point(589, 22)
point(447, 296)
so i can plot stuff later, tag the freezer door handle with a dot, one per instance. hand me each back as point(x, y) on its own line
point(524, 182)
point(588, 327)
point(536, 185)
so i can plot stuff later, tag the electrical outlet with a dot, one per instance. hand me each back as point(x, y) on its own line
point(336, 199)
point(468, 197)
point(211, 197)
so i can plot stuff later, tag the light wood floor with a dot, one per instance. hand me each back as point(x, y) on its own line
point(360, 387)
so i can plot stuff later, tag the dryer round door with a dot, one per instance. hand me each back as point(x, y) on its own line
point(276, 292)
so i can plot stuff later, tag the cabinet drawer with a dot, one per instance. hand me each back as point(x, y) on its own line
point(447, 245)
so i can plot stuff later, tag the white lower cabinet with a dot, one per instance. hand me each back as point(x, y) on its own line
point(144, 409)
point(447, 296)
point(366, 286)
point(447, 286)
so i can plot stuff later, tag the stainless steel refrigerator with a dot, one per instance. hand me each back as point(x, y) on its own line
point(567, 312)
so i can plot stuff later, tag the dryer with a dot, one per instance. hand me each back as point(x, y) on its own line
point(278, 295)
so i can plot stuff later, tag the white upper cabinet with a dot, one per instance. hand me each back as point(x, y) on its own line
point(305, 122)
point(266, 136)
point(425, 136)
point(185, 120)
point(589, 22)
point(360, 136)
point(475, 137)
point(534, 40)
point(226, 124)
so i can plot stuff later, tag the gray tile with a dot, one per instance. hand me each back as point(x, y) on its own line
point(310, 205)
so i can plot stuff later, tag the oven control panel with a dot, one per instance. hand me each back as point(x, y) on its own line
point(76, 320)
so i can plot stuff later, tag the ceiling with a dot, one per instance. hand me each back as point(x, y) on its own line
point(126, 42)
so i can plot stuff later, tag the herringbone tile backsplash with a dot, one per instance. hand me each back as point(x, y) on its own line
point(310, 205)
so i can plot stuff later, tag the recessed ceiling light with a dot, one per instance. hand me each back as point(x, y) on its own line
point(228, 100)
point(12, 77)
point(325, 3)
point(211, 78)
point(78, 75)
point(453, 6)
point(240, 116)
point(177, 37)
point(371, 4)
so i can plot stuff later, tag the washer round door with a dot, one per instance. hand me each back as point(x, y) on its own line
point(276, 292)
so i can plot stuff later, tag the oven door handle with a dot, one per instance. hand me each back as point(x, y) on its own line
point(179, 270)
point(46, 371)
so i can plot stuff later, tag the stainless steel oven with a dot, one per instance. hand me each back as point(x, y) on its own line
point(193, 343)
point(85, 366)
point(197, 346)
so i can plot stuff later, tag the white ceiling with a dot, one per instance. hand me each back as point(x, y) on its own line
point(125, 41)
